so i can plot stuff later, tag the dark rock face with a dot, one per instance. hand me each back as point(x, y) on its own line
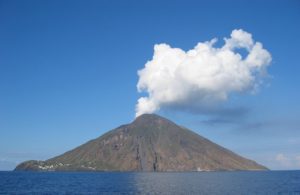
point(150, 143)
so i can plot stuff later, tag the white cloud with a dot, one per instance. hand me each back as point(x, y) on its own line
point(291, 161)
point(203, 77)
point(283, 160)
point(298, 160)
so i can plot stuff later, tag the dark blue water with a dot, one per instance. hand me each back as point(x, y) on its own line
point(269, 182)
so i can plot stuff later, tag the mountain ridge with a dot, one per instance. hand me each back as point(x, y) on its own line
point(149, 143)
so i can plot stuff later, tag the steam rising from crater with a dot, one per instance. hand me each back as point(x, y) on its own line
point(203, 77)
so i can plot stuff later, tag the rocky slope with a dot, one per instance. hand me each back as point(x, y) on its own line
point(150, 143)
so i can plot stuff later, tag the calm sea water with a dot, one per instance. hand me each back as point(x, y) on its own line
point(269, 182)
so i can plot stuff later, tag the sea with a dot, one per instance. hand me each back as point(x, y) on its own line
point(240, 182)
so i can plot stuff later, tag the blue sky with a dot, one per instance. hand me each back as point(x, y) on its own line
point(68, 73)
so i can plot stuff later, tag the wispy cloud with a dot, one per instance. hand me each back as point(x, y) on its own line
point(283, 160)
point(227, 116)
point(244, 122)
point(288, 161)
point(281, 124)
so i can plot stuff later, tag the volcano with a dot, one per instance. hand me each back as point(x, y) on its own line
point(149, 143)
